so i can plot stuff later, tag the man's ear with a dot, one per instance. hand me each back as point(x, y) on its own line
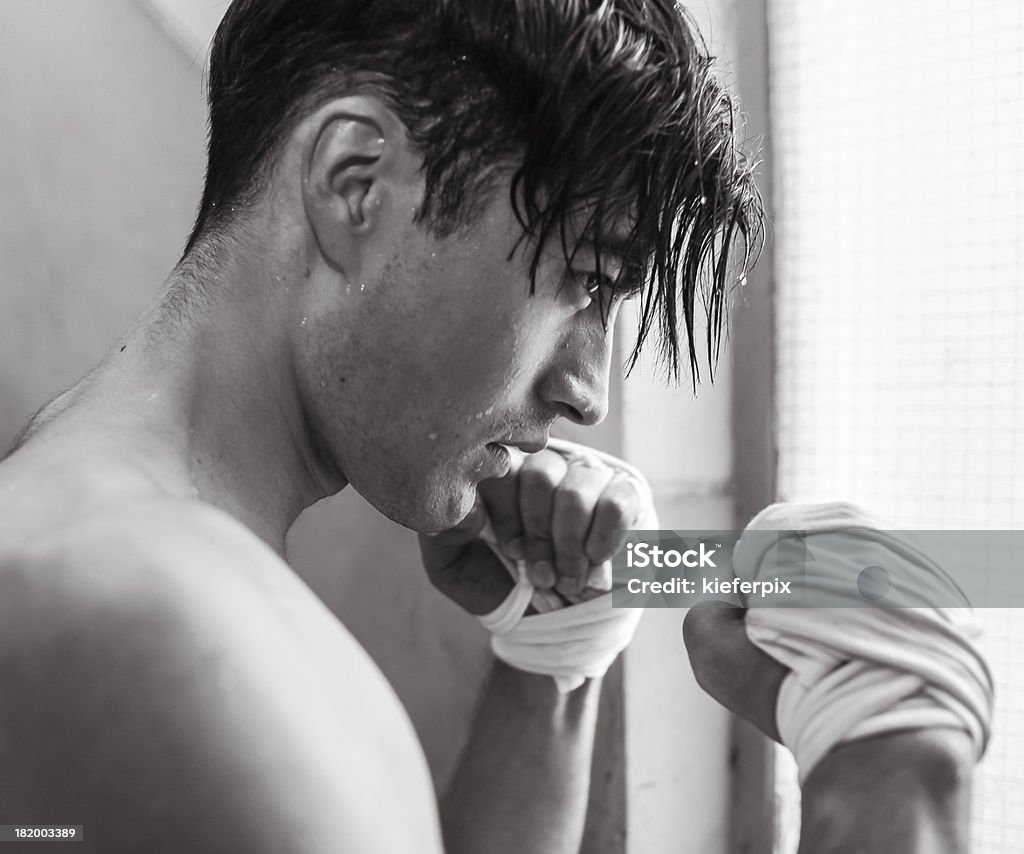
point(357, 157)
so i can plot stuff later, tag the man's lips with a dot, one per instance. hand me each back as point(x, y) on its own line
point(527, 446)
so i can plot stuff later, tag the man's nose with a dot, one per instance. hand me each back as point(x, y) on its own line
point(576, 384)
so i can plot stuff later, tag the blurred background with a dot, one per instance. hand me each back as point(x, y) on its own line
point(876, 354)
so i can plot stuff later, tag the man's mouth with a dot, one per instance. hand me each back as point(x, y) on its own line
point(527, 446)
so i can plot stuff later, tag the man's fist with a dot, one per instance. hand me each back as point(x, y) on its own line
point(729, 667)
point(559, 510)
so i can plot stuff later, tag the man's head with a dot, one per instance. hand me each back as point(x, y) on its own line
point(455, 156)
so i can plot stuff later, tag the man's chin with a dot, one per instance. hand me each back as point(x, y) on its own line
point(450, 513)
point(436, 513)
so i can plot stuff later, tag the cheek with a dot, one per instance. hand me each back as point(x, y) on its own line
point(494, 359)
point(478, 369)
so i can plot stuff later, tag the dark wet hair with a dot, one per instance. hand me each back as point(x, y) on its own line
point(611, 107)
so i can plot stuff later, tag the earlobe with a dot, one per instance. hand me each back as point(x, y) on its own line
point(343, 186)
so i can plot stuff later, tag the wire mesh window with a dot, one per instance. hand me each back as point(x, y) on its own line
point(897, 130)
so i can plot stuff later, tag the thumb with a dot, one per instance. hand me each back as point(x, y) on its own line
point(727, 665)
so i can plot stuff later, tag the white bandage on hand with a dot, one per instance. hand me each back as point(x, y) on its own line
point(569, 643)
point(861, 671)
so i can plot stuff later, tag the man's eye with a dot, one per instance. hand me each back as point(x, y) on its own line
point(594, 282)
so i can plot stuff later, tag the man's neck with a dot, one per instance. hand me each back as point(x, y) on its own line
point(205, 402)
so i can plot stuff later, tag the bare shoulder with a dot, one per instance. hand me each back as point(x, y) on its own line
point(171, 682)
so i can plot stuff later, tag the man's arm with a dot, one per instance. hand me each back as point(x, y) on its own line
point(901, 793)
point(906, 792)
point(522, 784)
point(524, 779)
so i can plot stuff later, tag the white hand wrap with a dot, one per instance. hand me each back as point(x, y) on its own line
point(569, 643)
point(862, 671)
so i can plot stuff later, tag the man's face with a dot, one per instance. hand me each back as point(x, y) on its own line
point(435, 353)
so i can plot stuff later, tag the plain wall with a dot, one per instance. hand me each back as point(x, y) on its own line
point(101, 164)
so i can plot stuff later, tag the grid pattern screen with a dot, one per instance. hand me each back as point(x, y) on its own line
point(898, 148)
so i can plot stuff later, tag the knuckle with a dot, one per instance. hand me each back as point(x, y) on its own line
point(588, 462)
point(639, 482)
point(628, 486)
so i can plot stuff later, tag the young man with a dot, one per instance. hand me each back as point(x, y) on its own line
point(418, 226)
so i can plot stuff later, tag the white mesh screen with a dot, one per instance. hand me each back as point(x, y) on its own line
point(897, 130)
